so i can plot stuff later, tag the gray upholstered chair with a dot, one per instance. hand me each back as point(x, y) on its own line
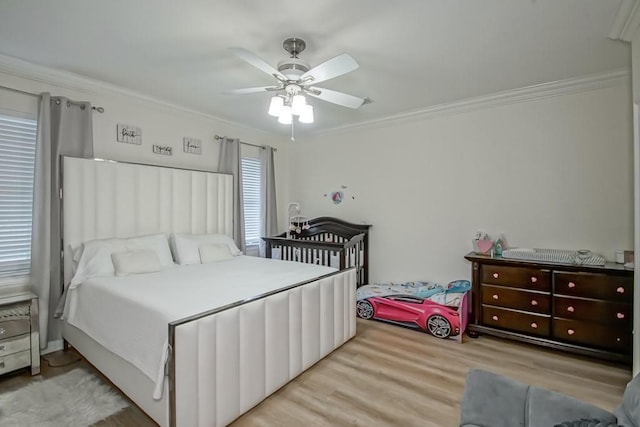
point(491, 400)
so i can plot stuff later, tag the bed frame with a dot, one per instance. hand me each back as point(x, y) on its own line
point(220, 364)
point(325, 240)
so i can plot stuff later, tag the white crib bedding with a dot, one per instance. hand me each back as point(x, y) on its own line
point(130, 315)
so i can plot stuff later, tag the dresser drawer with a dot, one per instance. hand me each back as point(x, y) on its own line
point(528, 278)
point(529, 323)
point(14, 345)
point(596, 311)
point(592, 334)
point(14, 361)
point(514, 298)
point(12, 328)
point(598, 286)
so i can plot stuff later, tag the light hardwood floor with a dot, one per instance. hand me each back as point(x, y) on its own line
point(392, 376)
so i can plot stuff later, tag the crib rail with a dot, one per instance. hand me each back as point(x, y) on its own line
point(316, 249)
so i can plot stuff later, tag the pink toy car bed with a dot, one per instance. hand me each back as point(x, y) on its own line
point(441, 310)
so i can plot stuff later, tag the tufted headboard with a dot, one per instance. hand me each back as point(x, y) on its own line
point(102, 199)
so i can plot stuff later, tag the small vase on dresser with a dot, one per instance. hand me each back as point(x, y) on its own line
point(581, 309)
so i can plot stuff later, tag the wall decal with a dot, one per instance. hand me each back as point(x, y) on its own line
point(192, 145)
point(163, 149)
point(337, 197)
point(129, 134)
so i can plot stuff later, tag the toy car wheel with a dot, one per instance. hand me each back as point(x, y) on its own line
point(438, 326)
point(364, 309)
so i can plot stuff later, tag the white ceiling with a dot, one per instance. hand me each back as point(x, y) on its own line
point(413, 54)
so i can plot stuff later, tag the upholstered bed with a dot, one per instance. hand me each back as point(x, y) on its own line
point(325, 241)
point(207, 341)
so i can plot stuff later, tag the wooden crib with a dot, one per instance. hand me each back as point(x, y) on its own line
point(328, 241)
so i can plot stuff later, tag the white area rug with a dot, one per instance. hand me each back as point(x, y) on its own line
point(75, 399)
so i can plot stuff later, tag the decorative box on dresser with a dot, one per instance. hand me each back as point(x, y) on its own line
point(582, 309)
point(19, 334)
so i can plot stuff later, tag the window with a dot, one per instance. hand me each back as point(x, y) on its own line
point(17, 158)
point(251, 176)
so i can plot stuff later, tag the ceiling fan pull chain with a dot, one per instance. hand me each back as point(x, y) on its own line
point(293, 138)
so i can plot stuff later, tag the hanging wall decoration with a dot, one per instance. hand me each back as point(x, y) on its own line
point(163, 149)
point(338, 197)
point(192, 145)
point(129, 134)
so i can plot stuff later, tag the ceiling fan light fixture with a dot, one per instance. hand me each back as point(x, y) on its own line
point(275, 107)
point(307, 114)
point(285, 116)
point(298, 103)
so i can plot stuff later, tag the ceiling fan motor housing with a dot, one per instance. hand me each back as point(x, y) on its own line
point(293, 68)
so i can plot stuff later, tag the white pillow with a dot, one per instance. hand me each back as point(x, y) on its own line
point(214, 252)
point(135, 262)
point(95, 260)
point(187, 246)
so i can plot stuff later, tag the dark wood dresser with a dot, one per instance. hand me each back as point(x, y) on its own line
point(586, 310)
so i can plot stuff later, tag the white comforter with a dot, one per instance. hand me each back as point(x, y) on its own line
point(130, 315)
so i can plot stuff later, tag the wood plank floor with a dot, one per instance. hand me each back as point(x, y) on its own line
point(391, 376)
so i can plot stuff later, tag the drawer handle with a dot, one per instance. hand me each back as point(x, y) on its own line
point(534, 279)
point(570, 309)
point(534, 302)
point(496, 275)
point(620, 315)
point(620, 290)
point(495, 296)
point(534, 325)
point(1, 365)
point(571, 331)
point(494, 317)
point(2, 347)
point(572, 285)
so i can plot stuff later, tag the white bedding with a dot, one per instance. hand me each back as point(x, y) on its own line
point(130, 315)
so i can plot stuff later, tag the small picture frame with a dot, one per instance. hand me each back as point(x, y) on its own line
point(163, 149)
point(191, 145)
point(129, 134)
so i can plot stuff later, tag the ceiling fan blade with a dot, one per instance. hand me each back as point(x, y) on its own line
point(257, 62)
point(341, 64)
point(336, 97)
point(251, 90)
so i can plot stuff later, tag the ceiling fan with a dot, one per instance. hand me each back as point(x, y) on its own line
point(295, 78)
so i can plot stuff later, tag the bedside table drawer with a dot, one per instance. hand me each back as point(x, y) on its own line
point(528, 278)
point(15, 361)
point(13, 328)
point(15, 345)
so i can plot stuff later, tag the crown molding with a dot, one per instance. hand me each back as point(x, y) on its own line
point(71, 81)
point(531, 93)
point(626, 22)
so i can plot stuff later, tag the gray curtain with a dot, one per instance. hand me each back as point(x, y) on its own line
point(64, 128)
point(269, 226)
point(230, 162)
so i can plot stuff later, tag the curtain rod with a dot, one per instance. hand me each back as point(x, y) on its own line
point(37, 95)
point(218, 137)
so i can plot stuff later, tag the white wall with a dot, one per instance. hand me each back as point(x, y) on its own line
point(549, 173)
point(161, 124)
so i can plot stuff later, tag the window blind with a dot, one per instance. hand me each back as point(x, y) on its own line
point(17, 158)
point(251, 176)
